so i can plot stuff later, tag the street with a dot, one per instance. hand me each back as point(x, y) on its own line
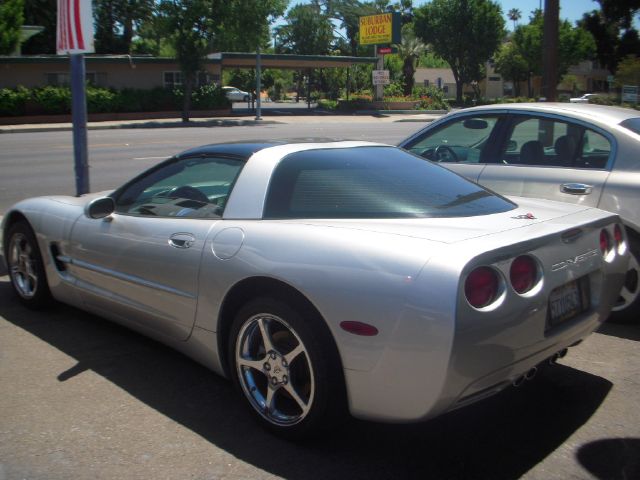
point(42, 163)
point(83, 398)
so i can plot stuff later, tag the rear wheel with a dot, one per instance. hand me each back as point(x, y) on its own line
point(25, 265)
point(627, 309)
point(286, 368)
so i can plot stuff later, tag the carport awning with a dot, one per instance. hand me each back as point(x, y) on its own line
point(296, 62)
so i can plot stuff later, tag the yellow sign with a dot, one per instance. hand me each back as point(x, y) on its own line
point(377, 29)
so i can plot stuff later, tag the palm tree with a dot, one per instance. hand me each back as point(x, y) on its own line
point(409, 52)
point(514, 15)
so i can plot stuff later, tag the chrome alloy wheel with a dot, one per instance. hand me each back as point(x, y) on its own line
point(274, 370)
point(630, 289)
point(22, 265)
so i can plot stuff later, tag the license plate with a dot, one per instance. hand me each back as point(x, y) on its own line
point(569, 300)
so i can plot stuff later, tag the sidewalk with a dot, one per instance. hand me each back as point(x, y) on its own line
point(234, 120)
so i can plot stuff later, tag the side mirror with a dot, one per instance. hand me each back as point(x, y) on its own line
point(512, 146)
point(100, 207)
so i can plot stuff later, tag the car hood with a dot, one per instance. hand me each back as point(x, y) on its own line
point(543, 216)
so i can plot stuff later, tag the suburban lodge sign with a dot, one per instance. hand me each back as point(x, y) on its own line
point(380, 29)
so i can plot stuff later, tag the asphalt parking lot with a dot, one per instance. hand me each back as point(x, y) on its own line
point(83, 398)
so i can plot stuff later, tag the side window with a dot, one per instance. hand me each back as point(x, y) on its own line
point(541, 141)
point(463, 140)
point(595, 151)
point(190, 188)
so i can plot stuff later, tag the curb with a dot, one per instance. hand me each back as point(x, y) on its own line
point(144, 124)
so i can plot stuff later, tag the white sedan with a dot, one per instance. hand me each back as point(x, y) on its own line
point(234, 94)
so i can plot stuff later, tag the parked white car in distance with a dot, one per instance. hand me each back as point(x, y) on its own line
point(584, 98)
point(235, 94)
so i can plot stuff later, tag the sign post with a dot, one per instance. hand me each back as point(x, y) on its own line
point(384, 28)
point(74, 37)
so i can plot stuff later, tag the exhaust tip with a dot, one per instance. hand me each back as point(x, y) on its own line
point(531, 373)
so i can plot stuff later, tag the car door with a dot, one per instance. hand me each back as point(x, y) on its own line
point(141, 264)
point(551, 157)
point(461, 144)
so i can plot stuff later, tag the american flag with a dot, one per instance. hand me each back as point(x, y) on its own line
point(75, 27)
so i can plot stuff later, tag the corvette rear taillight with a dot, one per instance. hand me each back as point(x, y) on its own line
point(523, 274)
point(481, 287)
point(605, 242)
point(618, 237)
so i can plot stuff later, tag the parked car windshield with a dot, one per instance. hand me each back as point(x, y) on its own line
point(373, 182)
point(632, 124)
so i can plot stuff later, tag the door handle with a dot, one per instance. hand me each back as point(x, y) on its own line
point(576, 188)
point(181, 240)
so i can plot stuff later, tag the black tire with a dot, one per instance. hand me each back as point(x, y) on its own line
point(627, 309)
point(245, 98)
point(299, 358)
point(25, 266)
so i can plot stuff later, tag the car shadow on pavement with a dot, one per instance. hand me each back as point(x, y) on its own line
point(611, 458)
point(502, 437)
point(628, 331)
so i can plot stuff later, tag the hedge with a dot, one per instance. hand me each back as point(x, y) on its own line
point(57, 100)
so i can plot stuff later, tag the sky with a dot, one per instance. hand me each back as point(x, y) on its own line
point(571, 10)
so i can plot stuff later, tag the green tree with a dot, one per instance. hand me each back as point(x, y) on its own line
point(409, 52)
point(613, 30)
point(628, 71)
point(511, 65)
point(197, 27)
point(308, 31)
point(575, 44)
point(41, 13)
point(117, 22)
point(11, 18)
point(465, 33)
point(514, 15)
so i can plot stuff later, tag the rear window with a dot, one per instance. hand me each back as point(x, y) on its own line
point(632, 124)
point(373, 182)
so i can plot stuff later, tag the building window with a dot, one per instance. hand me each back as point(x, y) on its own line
point(172, 79)
point(175, 80)
point(63, 79)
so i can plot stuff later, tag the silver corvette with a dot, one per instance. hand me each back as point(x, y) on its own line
point(326, 278)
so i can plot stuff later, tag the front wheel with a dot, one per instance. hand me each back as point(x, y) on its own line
point(26, 269)
point(286, 367)
point(627, 309)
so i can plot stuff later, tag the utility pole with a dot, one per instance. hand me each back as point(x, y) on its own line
point(550, 50)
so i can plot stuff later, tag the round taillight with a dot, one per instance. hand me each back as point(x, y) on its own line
point(617, 235)
point(605, 242)
point(481, 287)
point(523, 274)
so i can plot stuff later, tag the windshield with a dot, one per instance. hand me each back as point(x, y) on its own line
point(373, 182)
point(632, 124)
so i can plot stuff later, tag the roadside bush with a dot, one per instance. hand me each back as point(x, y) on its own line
point(394, 89)
point(52, 99)
point(209, 97)
point(13, 101)
point(328, 104)
point(431, 98)
point(101, 100)
point(601, 100)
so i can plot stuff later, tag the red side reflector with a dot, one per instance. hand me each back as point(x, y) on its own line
point(359, 328)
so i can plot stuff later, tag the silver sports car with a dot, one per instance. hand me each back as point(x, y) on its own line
point(327, 278)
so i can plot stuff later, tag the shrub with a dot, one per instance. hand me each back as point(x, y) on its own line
point(52, 99)
point(328, 104)
point(431, 98)
point(13, 101)
point(209, 97)
point(101, 100)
